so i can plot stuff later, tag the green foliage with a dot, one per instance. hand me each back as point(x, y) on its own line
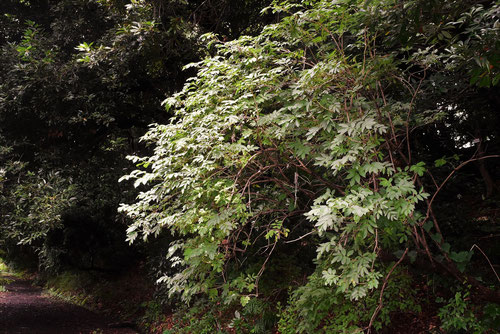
point(7, 271)
point(82, 81)
point(491, 316)
point(199, 318)
point(302, 134)
point(67, 125)
point(3, 266)
point(36, 204)
point(458, 315)
point(256, 317)
point(153, 311)
point(211, 316)
point(269, 137)
point(299, 155)
point(314, 308)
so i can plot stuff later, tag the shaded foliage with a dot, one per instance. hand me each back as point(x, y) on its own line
point(80, 82)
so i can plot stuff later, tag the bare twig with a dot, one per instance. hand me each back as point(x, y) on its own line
point(380, 301)
point(487, 259)
point(261, 271)
point(449, 176)
point(299, 238)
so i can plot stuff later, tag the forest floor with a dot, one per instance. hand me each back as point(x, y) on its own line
point(25, 309)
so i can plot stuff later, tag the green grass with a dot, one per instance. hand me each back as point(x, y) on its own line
point(5, 270)
point(69, 286)
point(3, 266)
point(3, 280)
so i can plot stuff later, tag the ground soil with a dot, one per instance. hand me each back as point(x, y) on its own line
point(25, 309)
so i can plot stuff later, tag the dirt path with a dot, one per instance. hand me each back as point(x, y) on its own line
point(23, 310)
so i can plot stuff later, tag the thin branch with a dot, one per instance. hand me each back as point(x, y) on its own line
point(449, 176)
point(487, 259)
point(380, 301)
point(299, 238)
point(261, 271)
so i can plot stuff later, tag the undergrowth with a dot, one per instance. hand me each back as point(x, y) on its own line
point(11, 270)
point(459, 315)
point(125, 297)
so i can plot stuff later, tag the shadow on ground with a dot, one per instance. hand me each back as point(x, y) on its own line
point(24, 310)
